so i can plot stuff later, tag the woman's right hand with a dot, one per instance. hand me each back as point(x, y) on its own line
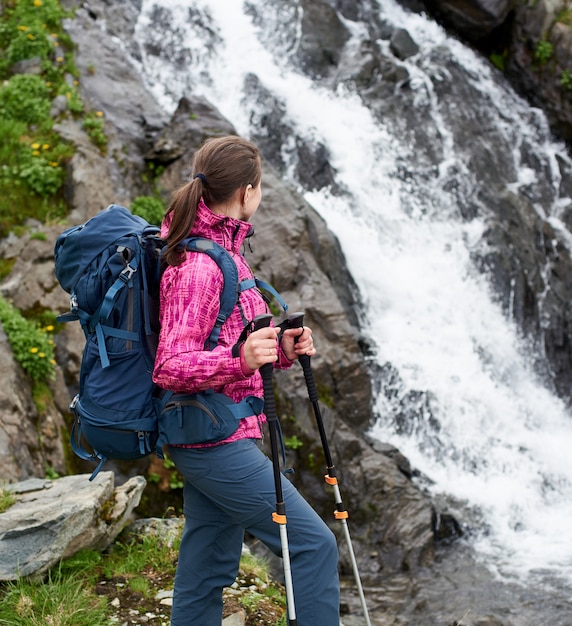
point(261, 347)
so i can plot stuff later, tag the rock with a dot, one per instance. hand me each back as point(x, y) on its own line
point(168, 530)
point(237, 619)
point(402, 44)
point(52, 520)
point(473, 19)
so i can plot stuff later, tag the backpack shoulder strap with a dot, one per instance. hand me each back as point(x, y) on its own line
point(250, 283)
point(230, 290)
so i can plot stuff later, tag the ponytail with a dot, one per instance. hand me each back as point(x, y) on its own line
point(183, 210)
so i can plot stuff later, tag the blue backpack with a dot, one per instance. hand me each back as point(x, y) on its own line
point(110, 266)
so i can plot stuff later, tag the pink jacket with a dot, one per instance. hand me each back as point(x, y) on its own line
point(189, 304)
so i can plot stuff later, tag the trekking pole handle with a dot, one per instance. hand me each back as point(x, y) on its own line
point(296, 320)
point(261, 321)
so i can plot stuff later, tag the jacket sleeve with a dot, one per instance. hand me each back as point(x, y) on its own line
point(189, 305)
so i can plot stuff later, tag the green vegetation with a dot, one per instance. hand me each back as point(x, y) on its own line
point(7, 499)
point(149, 208)
point(565, 17)
point(38, 85)
point(32, 345)
point(566, 80)
point(118, 585)
point(498, 60)
point(293, 443)
point(93, 125)
point(543, 52)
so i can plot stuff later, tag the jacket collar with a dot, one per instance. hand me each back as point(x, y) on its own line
point(228, 232)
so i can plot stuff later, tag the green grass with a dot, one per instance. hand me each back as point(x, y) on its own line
point(7, 499)
point(62, 600)
point(80, 590)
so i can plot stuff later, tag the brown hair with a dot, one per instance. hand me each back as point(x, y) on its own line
point(220, 167)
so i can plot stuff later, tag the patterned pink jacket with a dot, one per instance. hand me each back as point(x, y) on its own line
point(189, 304)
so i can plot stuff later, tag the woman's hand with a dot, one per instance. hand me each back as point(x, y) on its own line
point(298, 341)
point(261, 347)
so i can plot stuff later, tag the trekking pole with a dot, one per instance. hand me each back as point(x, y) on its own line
point(279, 516)
point(296, 320)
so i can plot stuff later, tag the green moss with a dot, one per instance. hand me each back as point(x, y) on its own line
point(6, 266)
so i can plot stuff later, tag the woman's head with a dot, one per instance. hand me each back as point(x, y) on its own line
point(224, 169)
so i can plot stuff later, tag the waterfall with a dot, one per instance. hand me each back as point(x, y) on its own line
point(459, 396)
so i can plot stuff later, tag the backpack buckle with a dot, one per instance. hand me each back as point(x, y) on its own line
point(74, 402)
point(127, 273)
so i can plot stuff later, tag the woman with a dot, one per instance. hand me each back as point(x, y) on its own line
point(229, 485)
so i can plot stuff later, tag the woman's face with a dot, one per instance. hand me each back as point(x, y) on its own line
point(252, 198)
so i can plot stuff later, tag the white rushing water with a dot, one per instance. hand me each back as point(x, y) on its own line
point(504, 440)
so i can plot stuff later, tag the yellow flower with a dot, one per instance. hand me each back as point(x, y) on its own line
point(60, 59)
point(48, 84)
point(36, 153)
point(76, 82)
point(45, 146)
point(49, 328)
point(23, 28)
point(30, 36)
point(53, 163)
point(41, 355)
point(53, 361)
point(35, 146)
point(33, 350)
point(99, 114)
point(37, 3)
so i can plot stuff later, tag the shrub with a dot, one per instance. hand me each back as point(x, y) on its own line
point(25, 98)
point(543, 51)
point(32, 346)
point(149, 208)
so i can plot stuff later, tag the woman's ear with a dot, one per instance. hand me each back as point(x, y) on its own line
point(246, 194)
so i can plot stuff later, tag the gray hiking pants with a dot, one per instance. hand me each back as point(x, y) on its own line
point(230, 489)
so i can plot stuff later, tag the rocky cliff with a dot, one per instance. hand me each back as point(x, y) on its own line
point(530, 41)
point(395, 523)
point(293, 250)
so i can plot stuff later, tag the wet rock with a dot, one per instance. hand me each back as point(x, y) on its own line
point(402, 44)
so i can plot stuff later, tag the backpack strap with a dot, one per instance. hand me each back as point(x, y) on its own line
point(250, 283)
point(230, 291)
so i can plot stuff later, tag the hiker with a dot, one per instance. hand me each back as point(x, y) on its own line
point(229, 485)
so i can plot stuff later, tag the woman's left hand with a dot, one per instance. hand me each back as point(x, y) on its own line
point(297, 341)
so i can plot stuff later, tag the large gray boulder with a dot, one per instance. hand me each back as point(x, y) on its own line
point(53, 519)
